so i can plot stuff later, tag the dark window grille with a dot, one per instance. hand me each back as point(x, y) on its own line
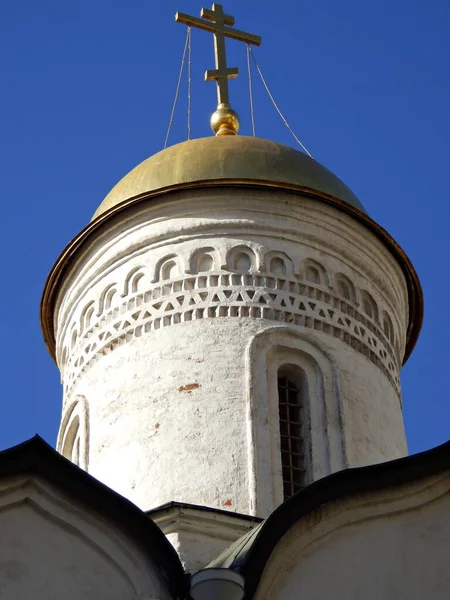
point(291, 439)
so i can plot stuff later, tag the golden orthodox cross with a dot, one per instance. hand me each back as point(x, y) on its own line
point(220, 24)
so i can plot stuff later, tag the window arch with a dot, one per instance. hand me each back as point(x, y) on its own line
point(134, 281)
point(169, 270)
point(369, 306)
point(314, 272)
point(106, 298)
point(109, 298)
point(73, 339)
point(388, 328)
point(345, 288)
point(203, 260)
point(279, 264)
point(241, 259)
point(64, 357)
point(292, 399)
point(73, 436)
point(86, 316)
point(71, 444)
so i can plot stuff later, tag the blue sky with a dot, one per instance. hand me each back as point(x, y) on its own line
point(86, 95)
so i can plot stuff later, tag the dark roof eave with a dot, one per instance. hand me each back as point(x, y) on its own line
point(250, 554)
point(35, 456)
point(206, 509)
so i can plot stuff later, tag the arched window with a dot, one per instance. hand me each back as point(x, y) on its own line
point(279, 264)
point(241, 259)
point(169, 270)
point(276, 354)
point(204, 260)
point(88, 316)
point(292, 393)
point(73, 436)
point(74, 337)
point(388, 328)
point(71, 444)
point(167, 267)
point(345, 288)
point(109, 298)
point(369, 306)
point(64, 358)
point(136, 282)
point(312, 274)
point(106, 298)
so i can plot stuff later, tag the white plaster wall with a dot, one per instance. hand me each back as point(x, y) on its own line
point(165, 368)
point(198, 535)
point(197, 550)
point(52, 547)
point(187, 396)
point(392, 545)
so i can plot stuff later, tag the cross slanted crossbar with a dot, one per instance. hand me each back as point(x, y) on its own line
point(220, 24)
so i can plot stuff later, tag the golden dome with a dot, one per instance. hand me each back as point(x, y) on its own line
point(228, 159)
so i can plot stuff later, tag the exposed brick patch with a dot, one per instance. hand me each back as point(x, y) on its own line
point(189, 387)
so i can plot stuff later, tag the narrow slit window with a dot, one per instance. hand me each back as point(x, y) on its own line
point(291, 437)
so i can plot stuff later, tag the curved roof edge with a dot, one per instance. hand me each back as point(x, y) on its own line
point(250, 554)
point(37, 457)
point(57, 273)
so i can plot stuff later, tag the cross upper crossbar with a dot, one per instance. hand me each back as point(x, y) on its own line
point(220, 24)
point(241, 36)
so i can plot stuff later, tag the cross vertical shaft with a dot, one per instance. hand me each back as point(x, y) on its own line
point(221, 74)
point(221, 25)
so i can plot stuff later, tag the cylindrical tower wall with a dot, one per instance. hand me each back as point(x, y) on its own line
point(170, 329)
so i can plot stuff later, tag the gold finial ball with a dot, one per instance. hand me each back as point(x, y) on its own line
point(225, 121)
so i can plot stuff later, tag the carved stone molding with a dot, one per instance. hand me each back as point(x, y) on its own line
point(223, 294)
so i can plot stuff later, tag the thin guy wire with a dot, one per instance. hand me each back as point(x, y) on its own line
point(178, 89)
point(250, 91)
point(189, 84)
point(275, 104)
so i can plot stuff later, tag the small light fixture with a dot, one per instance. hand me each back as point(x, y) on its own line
point(217, 584)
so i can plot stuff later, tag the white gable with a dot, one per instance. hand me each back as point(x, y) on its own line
point(392, 545)
point(54, 548)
